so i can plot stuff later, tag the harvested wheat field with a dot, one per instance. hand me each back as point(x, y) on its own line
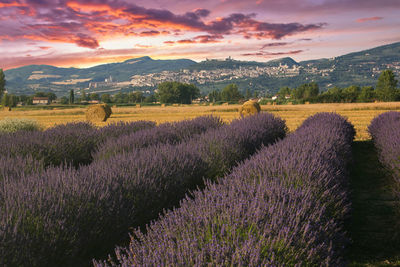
point(359, 114)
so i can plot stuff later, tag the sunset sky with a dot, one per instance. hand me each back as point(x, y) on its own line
point(85, 33)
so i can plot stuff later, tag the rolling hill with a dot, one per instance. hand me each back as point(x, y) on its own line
point(360, 68)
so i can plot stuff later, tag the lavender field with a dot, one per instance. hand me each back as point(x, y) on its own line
point(198, 192)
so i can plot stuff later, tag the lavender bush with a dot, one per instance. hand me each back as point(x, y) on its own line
point(72, 143)
point(283, 207)
point(121, 128)
point(385, 132)
point(16, 166)
point(171, 133)
point(67, 216)
point(224, 148)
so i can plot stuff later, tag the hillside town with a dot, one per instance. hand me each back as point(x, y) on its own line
point(202, 77)
point(215, 75)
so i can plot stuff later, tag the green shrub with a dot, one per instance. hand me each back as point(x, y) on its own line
point(10, 125)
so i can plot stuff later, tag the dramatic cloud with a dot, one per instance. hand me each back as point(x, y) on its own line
point(50, 31)
point(274, 44)
point(201, 39)
point(85, 41)
point(169, 42)
point(208, 38)
point(186, 41)
point(149, 33)
point(271, 54)
point(86, 23)
point(308, 7)
point(369, 19)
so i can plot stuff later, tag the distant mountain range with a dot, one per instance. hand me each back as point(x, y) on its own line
point(144, 73)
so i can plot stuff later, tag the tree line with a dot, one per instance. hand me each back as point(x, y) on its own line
point(176, 92)
point(119, 98)
point(385, 90)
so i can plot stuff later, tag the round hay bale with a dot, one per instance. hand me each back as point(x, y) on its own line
point(98, 113)
point(249, 108)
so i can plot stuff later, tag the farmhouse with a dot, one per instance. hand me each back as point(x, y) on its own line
point(40, 100)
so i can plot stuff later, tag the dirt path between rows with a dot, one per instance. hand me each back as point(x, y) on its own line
point(374, 225)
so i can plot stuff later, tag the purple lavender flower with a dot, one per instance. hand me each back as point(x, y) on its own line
point(285, 206)
point(65, 216)
point(385, 132)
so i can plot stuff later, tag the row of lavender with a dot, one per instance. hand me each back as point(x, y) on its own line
point(385, 132)
point(285, 206)
point(71, 143)
point(78, 143)
point(75, 143)
point(66, 216)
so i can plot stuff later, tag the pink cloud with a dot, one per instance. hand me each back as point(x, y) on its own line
point(186, 41)
point(87, 23)
point(272, 54)
point(361, 20)
point(149, 33)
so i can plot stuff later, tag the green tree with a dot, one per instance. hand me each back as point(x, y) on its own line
point(298, 93)
point(24, 99)
point(311, 90)
point(94, 96)
point(106, 98)
point(40, 94)
point(307, 91)
point(386, 86)
point(231, 93)
point(214, 96)
point(5, 100)
point(135, 97)
point(64, 100)
point(9, 100)
point(121, 98)
point(150, 99)
point(333, 95)
point(168, 92)
point(83, 96)
point(188, 92)
point(367, 94)
point(52, 96)
point(248, 94)
point(284, 91)
point(2, 82)
point(255, 94)
point(71, 96)
point(351, 93)
point(176, 92)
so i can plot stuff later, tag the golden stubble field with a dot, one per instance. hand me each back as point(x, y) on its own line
point(359, 114)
